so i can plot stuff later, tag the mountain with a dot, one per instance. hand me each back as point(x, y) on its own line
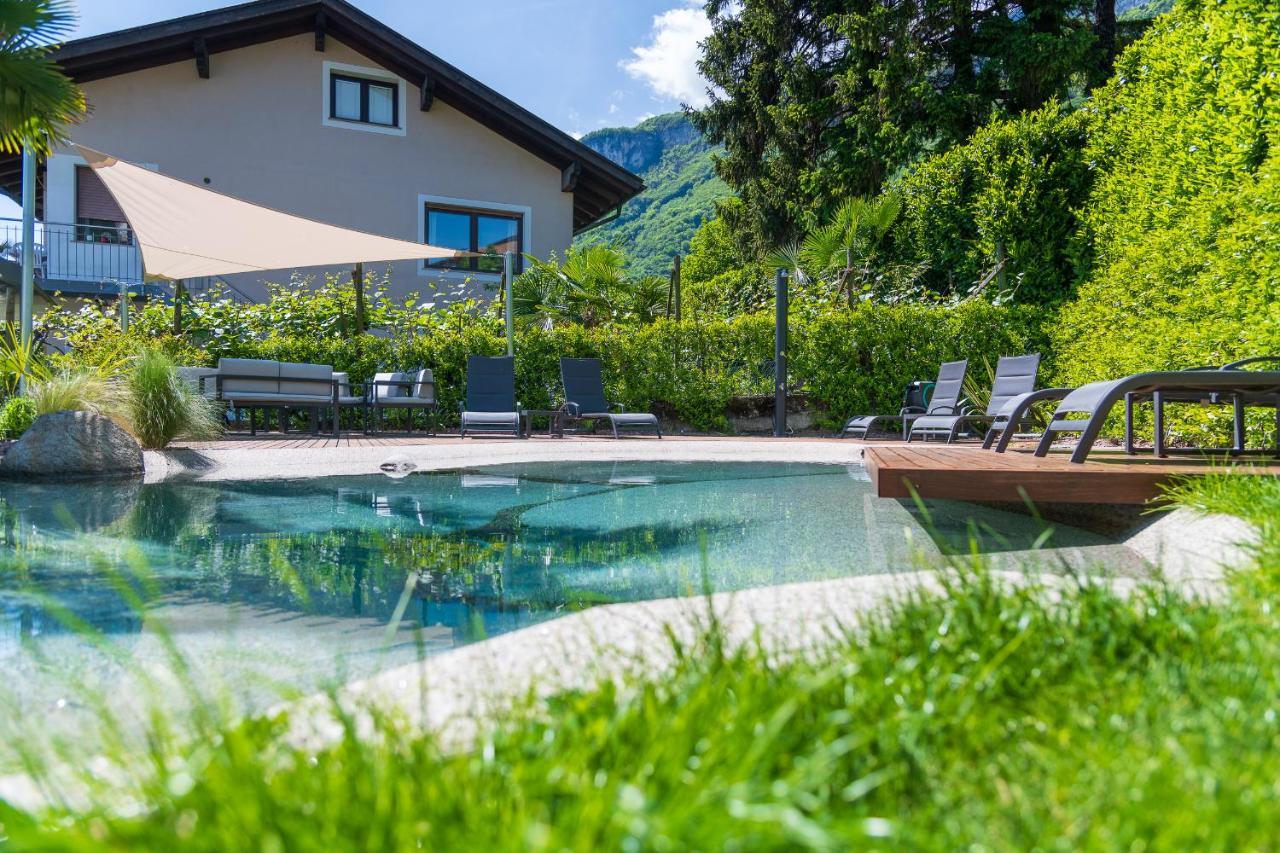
point(681, 189)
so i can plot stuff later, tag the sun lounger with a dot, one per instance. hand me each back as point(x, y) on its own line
point(1013, 412)
point(945, 401)
point(490, 405)
point(1014, 376)
point(584, 399)
point(1085, 409)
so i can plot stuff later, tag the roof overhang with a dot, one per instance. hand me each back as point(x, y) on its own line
point(598, 185)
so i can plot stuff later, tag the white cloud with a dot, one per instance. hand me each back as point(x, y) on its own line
point(668, 63)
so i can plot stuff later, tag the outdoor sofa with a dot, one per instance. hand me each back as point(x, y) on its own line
point(944, 401)
point(490, 405)
point(1015, 375)
point(584, 400)
point(251, 383)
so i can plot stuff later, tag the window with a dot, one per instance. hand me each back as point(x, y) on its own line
point(98, 218)
point(365, 101)
point(482, 231)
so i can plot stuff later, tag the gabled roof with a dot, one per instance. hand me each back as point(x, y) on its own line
point(598, 184)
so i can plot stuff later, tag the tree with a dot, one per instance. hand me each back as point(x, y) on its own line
point(818, 100)
point(37, 101)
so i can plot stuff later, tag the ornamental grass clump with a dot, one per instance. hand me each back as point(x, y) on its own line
point(79, 390)
point(160, 406)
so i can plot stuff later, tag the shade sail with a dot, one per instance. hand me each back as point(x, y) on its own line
point(186, 231)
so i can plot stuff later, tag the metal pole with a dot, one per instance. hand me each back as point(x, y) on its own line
point(508, 270)
point(780, 357)
point(675, 283)
point(124, 306)
point(28, 247)
point(357, 279)
point(179, 292)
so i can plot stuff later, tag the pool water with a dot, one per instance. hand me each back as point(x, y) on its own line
point(299, 581)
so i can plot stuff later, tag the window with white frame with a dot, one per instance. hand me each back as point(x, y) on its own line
point(488, 232)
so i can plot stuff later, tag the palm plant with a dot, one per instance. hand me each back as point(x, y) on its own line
point(589, 288)
point(843, 254)
point(37, 100)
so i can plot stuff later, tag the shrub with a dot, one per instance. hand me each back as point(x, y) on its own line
point(16, 416)
point(1017, 182)
point(162, 407)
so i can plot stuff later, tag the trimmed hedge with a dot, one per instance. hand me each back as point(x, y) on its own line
point(1185, 214)
point(844, 361)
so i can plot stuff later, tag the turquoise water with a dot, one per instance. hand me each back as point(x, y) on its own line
point(302, 578)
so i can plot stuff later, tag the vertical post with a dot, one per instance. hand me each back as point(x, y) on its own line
point(124, 306)
point(357, 280)
point(675, 283)
point(508, 270)
point(28, 247)
point(179, 293)
point(780, 356)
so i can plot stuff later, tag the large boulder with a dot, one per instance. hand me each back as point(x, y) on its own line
point(73, 445)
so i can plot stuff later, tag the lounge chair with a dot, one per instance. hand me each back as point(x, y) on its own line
point(584, 399)
point(412, 392)
point(490, 405)
point(1085, 409)
point(945, 401)
point(1013, 412)
point(1015, 375)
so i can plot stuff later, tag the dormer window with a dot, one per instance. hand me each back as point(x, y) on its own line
point(365, 101)
point(360, 98)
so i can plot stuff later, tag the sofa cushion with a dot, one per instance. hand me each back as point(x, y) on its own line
point(425, 386)
point(255, 367)
point(309, 379)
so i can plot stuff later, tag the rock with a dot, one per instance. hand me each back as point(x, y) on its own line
point(73, 445)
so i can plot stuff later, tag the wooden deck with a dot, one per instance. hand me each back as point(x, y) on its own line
point(969, 473)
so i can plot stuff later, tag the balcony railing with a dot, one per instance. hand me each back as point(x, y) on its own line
point(77, 255)
point(92, 260)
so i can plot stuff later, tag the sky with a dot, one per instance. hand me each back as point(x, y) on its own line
point(579, 64)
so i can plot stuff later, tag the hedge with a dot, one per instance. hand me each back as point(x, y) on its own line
point(843, 361)
point(1184, 217)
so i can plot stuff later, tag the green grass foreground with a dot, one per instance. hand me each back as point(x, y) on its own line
point(989, 718)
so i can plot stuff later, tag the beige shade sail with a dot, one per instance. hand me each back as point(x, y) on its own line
point(185, 231)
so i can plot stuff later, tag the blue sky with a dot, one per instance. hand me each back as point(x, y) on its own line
point(579, 64)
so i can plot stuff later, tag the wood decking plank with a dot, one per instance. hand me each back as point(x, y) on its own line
point(964, 473)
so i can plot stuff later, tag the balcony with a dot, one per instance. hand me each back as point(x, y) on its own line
point(87, 261)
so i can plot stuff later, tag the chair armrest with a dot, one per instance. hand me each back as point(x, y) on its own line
point(945, 410)
point(573, 410)
point(910, 410)
point(622, 410)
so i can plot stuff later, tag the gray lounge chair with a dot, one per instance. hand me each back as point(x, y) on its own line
point(490, 405)
point(1085, 409)
point(1015, 375)
point(412, 392)
point(945, 401)
point(584, 399)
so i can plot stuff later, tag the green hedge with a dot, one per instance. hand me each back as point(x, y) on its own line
point(1018, 182)
point(845, 361)
point(1185, 214)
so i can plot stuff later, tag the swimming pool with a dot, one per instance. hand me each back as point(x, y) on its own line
point(287, 584)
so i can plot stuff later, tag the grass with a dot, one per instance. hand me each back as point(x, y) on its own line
point(988, 717)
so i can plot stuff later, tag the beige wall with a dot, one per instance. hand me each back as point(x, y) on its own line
point(255, 129)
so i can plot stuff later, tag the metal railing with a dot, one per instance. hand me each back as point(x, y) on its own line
point(76, 254)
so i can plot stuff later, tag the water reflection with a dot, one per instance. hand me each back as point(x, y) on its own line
point(478, 552)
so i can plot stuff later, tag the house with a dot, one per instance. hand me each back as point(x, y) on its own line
point(317, 109)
